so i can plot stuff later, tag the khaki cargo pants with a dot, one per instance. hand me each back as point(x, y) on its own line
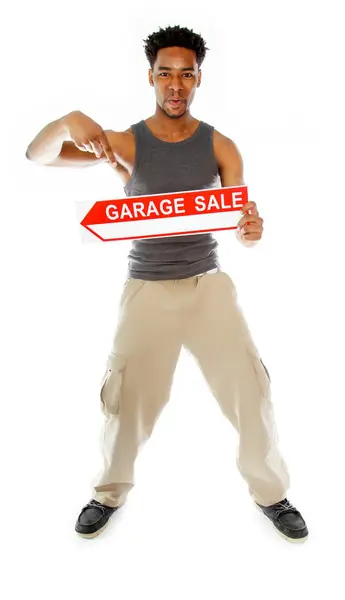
point(156, 319)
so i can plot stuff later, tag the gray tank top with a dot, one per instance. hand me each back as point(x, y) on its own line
point(166, 167)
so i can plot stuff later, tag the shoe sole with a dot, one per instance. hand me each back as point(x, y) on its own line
point(90, 536)
point(292, 540)
point(285, 537)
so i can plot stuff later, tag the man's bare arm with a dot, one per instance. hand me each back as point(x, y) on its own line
point(73, 140)
point(229, 160)
point(230, 167)
point(47, 144)
point(71, 156)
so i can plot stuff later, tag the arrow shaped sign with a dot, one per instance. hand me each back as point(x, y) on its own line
point(163, 215)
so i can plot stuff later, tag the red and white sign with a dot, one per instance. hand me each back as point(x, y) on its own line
point(162, 215)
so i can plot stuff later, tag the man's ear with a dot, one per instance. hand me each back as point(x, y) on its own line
point(199, 79)
point(151, 77)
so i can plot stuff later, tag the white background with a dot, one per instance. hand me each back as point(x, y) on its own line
point(272, 82)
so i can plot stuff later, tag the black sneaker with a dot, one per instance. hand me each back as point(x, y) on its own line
point(287, 520)
point(93, 519)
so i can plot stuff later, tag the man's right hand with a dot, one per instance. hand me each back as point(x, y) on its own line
point(88, 136)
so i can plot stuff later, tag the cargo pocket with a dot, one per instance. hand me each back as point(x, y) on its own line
point(266, 370)
point(111, 386)
point(261, 371)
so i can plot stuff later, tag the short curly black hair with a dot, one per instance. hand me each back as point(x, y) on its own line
point(174, 36)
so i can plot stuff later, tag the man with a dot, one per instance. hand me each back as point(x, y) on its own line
point(176, 294)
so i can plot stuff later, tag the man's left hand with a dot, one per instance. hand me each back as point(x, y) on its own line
point(250, 227)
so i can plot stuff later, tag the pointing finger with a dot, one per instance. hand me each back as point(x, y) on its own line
point(96, 149)
point(103, 140)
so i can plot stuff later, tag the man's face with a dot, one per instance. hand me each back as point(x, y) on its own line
point(175, 77)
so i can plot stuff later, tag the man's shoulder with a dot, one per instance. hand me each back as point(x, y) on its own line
point(221, 139)
point(224, 147)
point(116, 137)
point(124, 137)
point(122, 143)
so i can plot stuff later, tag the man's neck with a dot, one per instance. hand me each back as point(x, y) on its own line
point(164, 126)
